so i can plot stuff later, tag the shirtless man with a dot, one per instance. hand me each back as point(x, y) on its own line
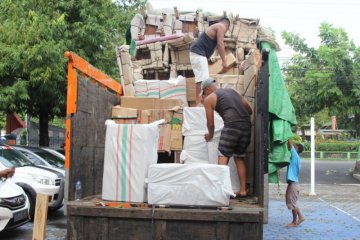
point(202, 49)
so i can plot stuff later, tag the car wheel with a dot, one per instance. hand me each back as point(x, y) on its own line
point(32, 201)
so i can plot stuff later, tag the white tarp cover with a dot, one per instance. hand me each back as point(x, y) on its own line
point(147, 88)
point(129, 151)
point(189, 184)
point(196, 149)
point(174, 88)
point(194, 122)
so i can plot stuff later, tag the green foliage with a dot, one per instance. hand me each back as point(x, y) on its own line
point(335, 146)
point(33, 38)
point(325, 79)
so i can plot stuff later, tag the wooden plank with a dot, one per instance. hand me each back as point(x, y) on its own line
point(222, 230)
point(243, 215)
point(41, 212)
point(160, 229)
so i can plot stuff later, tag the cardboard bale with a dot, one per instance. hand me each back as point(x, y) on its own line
point(128, 76)
point(164, 143)
point(139, 102)
point(181, 55)
point(137, 26)
point(123, 115)
point(129, 90)
point(235, 82)
point(122, 112)
point(152, 115)
point(143, 103)
point(216, 67)
point(176, 131)
point(125, 57)
point(190, 89)
point(248, 33)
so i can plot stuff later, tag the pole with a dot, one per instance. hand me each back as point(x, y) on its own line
point(312, 155)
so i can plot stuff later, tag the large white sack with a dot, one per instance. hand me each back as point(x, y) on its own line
point(174, 89)
point(189, 184)
point(129, 151)
point(195, 123)
point(197, 150)
point(147, 88)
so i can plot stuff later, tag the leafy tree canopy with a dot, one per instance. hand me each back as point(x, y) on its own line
point(326, 78)
point(33, 38)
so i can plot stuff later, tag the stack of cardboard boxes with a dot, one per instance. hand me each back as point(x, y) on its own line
point(140, 110)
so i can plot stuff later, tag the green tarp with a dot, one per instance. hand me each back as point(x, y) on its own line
point(282, 116)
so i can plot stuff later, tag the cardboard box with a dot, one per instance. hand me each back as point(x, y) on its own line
point(139, 102)
point(122, 112)
point(176, 131)
point(216, 67)
point(123, 115)
point(152, 115)
point(164, 143)
point(190, 89)
point(143, 103)
point(125, 120)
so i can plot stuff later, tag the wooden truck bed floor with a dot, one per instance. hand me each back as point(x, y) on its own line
point(88, 221)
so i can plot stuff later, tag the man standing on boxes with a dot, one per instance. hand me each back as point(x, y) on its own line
point(235, 136)
point(202, 49)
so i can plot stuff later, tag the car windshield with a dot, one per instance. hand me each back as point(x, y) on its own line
point(54, 161)
point(14, 157)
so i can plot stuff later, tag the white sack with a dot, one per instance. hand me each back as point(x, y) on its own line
point(147, 88)
point(196, 149)
point(194, 122)
point(174, 89)
point(189, 184)
point(129, 151)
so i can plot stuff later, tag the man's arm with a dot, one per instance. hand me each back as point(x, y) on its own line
point(220, 33)
point(7, 173)
point(209, 109)
point(246, 104)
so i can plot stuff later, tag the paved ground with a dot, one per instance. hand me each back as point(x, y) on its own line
point(334, 213)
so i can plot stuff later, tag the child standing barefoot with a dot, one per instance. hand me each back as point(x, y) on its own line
point(292, 190)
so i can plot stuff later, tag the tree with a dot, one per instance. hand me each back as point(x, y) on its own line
point(326, 78)
point(33, 38)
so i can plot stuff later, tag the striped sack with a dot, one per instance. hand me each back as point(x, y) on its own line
point(129, 151)
point(174, 89)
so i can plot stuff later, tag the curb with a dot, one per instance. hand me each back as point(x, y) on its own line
point(356, 176)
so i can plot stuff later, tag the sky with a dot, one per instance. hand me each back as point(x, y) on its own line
point(298, 16)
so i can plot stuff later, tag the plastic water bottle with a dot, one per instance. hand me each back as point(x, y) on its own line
point(78, 190)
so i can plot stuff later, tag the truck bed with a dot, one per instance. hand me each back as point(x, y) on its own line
point(242, 219)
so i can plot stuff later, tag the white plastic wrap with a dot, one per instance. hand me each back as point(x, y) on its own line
point(196, 149)
point(147, 88)
point(129, 151)
point(194, 122)
point(174, 89)
point(189, 184)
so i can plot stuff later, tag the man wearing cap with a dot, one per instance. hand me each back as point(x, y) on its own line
point(236, 134)
point(202, 49)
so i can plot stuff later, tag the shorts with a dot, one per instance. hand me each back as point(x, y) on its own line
point(292, 194)
point(234, 141)
point(200, 67)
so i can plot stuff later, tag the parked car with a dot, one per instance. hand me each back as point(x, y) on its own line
point(43, 158)
point(57, 152)
point(33, 179)
point(14, 205)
